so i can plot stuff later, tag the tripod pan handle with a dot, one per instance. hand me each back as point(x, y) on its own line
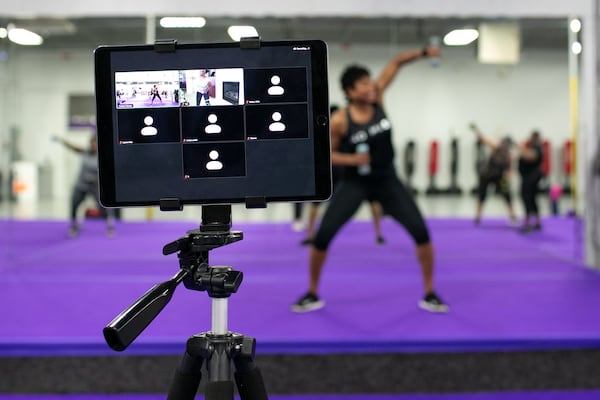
point(128, 325)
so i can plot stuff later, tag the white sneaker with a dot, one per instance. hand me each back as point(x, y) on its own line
point(432, 303)
point(298, 226)
point(308, 302)
point(73, 231)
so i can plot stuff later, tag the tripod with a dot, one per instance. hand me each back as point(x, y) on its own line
point(218, 349)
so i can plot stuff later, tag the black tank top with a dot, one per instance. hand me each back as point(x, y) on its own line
point(526, 167)
point(497, 164)
point(377, 133)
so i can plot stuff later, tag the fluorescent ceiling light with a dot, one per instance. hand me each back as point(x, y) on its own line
point(182, 22)
point(236, 32)
point(575, 25)
point(460, 37)
point(24, 37)
point(3, 33)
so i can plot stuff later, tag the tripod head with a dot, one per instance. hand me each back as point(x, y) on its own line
point(192, 251)
point(195, 272)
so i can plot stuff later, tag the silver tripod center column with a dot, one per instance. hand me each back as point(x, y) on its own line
point(219, 316)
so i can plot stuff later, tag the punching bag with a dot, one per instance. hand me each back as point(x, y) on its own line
point(409, 165)
point(454, 189)
point(433, 167)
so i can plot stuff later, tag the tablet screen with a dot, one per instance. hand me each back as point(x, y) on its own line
point(213, 123)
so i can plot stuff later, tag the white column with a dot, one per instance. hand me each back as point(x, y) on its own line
point(150, 29)
point(588, 146)
point(576, 136)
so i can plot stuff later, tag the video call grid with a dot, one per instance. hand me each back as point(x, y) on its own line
point(260, 127)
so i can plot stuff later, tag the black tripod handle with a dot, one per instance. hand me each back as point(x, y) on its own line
point(128, 325)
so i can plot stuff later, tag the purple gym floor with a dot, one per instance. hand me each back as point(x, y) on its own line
point(554, 395)
point(507, 291)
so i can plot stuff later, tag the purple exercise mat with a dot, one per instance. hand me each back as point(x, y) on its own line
point(506, 290)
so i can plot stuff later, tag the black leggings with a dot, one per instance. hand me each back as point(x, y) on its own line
point(529, 190)
point(501, 186)
point(395, 200)
point(78, 196)
point(200, 96)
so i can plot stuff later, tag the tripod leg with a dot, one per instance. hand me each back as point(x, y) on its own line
point(248, 377)
point(219, 390)
point(219, 385)
point(187, 378)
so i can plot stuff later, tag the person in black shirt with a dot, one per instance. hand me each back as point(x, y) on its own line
point(337, 174)
point(369, 175)
point(155, 94)
point(530, 159)
point(495, 170)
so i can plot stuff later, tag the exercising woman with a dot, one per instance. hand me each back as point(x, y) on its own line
point(496, 170)
point(362, 122)
point(530, 160)
point(87, 183)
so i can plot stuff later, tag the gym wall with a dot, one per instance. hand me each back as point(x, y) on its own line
point(424, 103)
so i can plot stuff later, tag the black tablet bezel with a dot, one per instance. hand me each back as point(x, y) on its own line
point(105, 101)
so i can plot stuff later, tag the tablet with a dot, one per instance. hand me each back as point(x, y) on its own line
point(213, 123)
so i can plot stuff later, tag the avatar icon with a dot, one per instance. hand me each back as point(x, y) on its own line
point(276, 126)
point(149, 130)
point(214, 164)
point(275, 90)
point(213, 127)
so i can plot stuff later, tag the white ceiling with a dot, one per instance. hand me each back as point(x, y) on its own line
point(89, 32)
point(305, 8)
